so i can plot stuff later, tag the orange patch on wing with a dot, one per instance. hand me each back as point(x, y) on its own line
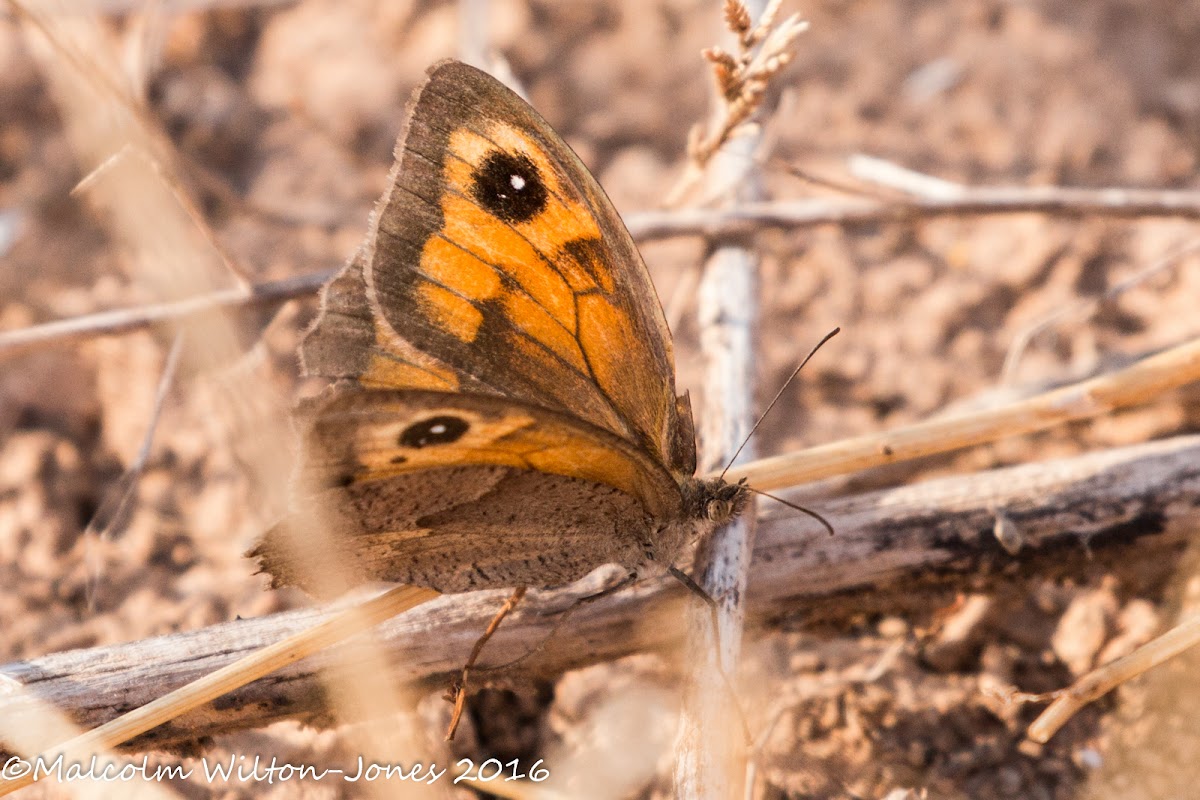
point(451, 266)
point(471, 147)
point(555, 228)
point(448, 311)
point(503, 247)
point(620, 363)
point(580, 459)
point(565, 218)
point(397, 364)
point(513, 440)
point(483, 443)
point(531, 319)
point(386, 373)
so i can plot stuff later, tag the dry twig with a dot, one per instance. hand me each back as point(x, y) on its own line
point(1101, 681)
point(763, 50)
point(128, 320)
point(708, 756)
point(1064, 201)
point(1142, 382)
point(717, 225)
point(111, 515)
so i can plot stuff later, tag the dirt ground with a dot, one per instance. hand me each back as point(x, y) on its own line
point(284, 118)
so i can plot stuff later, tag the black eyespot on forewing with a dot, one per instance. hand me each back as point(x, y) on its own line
point(434, 431)
point(509, 186)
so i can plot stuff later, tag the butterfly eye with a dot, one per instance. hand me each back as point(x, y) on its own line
point(509, 186)
point(435, 430)
point(718, 510)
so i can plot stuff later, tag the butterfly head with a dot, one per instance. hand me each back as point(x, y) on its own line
point(715, 500)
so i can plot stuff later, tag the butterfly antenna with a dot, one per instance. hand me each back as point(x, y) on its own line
point(778, 394)
point(824, 522)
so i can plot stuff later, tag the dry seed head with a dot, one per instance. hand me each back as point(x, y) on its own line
point(753, 90)
point(751, 39)
point(765, 23)
point(737, 17)
point(772, 65)
point(728, 83)
point(726, 71)
point(742, 79)
point(780, 39)
point(769, 13)
point(718, 55)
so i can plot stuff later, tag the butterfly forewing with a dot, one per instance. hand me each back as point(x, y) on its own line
point(496, 261)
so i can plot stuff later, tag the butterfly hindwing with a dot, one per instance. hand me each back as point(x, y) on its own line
point(364, 436)
point(462, 492)
point(462, 528)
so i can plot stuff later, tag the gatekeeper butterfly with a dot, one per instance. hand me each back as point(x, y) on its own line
point(503, 411)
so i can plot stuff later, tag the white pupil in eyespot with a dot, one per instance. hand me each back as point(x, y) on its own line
point(517, 182)
point(437, 429)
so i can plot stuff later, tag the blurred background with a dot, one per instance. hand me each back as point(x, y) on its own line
point(280, 118)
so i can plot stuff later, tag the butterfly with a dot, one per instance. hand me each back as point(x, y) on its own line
point(503, 409)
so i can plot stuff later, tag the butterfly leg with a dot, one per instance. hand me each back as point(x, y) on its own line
point(458, 689)
point(624, 583)
point(698, 590)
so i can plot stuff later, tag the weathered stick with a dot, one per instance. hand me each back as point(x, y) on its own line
point(900, 550)
point(708, 731)
point(708, 762)
point(1059, 201)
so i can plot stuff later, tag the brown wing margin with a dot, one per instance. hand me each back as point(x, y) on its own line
point(344, 343)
